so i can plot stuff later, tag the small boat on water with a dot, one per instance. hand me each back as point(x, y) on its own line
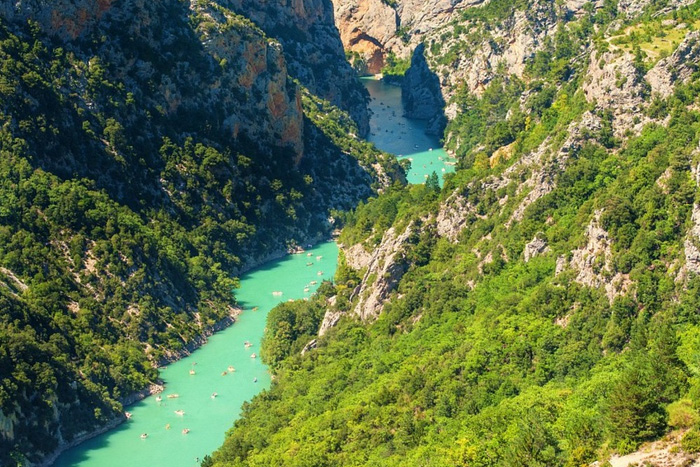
point(231, 369)
point(319, 273)
point(309, 254)
point(255, 380)
point(144, 435)
point(247, 344)
point(179, 412)
point(191, 372)
point(127, 415)
point(255, 308)
point(318, 258)
point(313, 282)
point(213, 395)
point(167, 426)
point(306, 289)
point(173, 396)
point(253, 355)
point(159, 399)
point(276, 293)
point(224, 373)
point(185, 431)
point(309, 264)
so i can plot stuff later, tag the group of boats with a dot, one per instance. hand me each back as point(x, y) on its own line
point(167, 427)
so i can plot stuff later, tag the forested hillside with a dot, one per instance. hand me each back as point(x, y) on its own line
point(541, 309)
point(149, 152)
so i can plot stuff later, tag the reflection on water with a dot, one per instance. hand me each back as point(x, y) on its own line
point(390, 131)
point(223, 366)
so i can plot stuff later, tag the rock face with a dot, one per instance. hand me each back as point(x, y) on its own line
point(592, 262)
point(421, 93)
point(373, 28)
point(615, 84)
point(384, 271)
point(682, 63)
point(691, 244)
point(538, 246)
point(366, 27)
point(312, 46)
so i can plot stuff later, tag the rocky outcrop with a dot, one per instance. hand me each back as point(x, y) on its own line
point(384, 271)
point(373, 28)
point(312, 46)
point(634, 8)
point(678, 67)
point(453, 216)
point(538, 246)
point(614, 83)
point(593, 263)
point(421, 93)
point(366, 27)
point(691, 244)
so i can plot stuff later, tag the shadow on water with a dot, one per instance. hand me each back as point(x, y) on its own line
point(393, 132)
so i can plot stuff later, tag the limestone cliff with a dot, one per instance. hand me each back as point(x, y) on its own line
point(374, 28)
point(313, 49)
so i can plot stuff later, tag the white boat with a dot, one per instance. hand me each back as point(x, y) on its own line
point(173, 396)
point(276, 293)
point(253, 356)
point(185, 431)
point(213, 395)
point(144, 435)
point(179, 412)
point(231, 369)
point(158, 398)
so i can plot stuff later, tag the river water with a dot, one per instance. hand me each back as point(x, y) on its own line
point(392, 132)
point(208, 418)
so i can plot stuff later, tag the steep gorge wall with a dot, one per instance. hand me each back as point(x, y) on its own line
point(313, 49)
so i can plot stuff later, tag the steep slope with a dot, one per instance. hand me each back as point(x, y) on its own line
point(150, 151)
point(540, 309)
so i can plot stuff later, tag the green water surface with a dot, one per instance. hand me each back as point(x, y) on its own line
point(208, 418)
point(392, 132)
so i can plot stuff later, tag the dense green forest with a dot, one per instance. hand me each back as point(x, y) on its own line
point(133, 191)
point(559, 324)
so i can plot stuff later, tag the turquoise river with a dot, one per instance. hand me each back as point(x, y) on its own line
point(392, 132)
point(197, 377)
point(208, 418)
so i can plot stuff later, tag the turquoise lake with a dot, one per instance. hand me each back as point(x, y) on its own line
point(208, 418)
point(392, 132)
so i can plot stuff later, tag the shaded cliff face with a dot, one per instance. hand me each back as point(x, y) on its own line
point(421, 93)
point(149, 151)
point(313, 49)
